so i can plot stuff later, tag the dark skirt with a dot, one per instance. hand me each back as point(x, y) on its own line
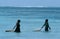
point(46, 29)
point(17, 30)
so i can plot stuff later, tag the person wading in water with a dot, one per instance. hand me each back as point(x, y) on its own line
point(46, 25)
point(17, 26)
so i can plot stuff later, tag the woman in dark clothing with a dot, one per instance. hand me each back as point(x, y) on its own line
point(46, 24)
point(17, 26)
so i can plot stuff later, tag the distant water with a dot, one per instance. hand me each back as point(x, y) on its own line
point(31, 18)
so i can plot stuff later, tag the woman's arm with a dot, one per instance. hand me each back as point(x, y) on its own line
point(14, 27)
point(42, 26)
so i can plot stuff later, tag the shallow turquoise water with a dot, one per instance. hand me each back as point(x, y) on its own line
point(31, 19)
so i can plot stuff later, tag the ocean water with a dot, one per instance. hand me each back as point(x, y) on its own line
point(32, 18)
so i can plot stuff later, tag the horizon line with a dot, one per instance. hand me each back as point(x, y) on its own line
point(31, 6)
point(27, 6)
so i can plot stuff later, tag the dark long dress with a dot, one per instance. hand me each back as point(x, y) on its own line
point(46, 26)
point(17, 27)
